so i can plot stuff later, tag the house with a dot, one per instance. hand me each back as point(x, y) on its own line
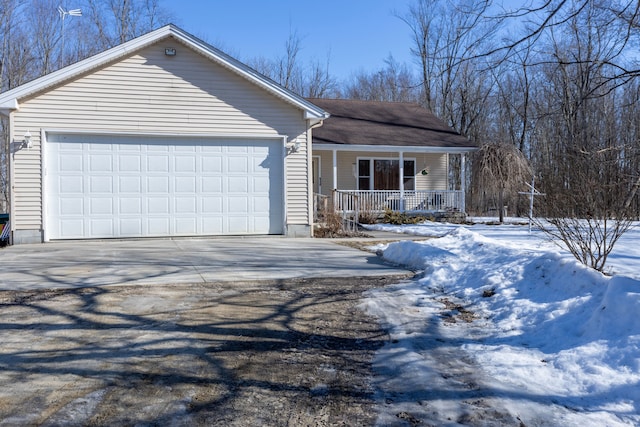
point(163, 135)
point(379, 155)
point(166, 136)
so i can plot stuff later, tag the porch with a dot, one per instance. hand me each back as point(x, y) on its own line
point(372, 156)
point(378, 201)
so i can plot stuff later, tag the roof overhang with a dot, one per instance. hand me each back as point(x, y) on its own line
point(6, 107)
point(9, 100)
point(394, 148)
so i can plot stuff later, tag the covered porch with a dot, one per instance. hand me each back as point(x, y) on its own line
point(377, 179)
point(373, 156)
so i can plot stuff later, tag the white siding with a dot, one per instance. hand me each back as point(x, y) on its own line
point(150, 93)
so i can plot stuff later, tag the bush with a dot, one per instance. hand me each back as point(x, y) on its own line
point(401, 218)
point(367, 217)
point(334, 226)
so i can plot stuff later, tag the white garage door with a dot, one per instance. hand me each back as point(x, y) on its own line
point(116, 186)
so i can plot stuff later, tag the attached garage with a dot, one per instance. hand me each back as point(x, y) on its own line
point(101, 186)
point(161, 136)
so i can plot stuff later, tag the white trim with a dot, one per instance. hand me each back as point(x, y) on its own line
point(166, 135)
point(309, 161)
point(44, 185)
point(12, 203)
point(394, 148)
point(285, 211)
point(9, 100)
point(8, 106)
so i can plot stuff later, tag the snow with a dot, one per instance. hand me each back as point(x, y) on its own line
point(551, 342)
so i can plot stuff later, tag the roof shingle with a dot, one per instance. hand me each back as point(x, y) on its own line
point(355, 122)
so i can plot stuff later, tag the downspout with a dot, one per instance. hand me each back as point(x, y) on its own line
point(311, 126)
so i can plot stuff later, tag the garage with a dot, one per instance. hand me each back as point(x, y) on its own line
point(118, 186)
point(161, 136)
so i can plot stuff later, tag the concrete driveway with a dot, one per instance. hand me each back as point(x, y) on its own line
point(80, 264)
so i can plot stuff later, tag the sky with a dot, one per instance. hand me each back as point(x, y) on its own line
point(550, 342)
point(355, 35)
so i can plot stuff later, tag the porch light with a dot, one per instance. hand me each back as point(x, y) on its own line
point(27, 140)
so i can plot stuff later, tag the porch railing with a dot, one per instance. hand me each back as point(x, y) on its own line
point(409, 201)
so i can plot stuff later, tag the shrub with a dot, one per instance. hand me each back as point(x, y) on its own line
point(401, 218)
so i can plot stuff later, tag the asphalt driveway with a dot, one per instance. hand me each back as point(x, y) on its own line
point(79, 264)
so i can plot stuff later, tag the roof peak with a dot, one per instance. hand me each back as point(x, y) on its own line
point(10, 100)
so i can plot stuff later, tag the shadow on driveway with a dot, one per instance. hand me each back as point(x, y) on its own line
point(295, 352)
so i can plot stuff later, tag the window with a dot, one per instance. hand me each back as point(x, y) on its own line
point(364, 174)
point(384, 174)
point(409, 175)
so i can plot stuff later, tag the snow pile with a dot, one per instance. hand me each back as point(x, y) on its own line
point(551, 342)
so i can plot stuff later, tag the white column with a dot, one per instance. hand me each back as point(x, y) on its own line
point(463, 183)
point(401, 172)
point(334, 184)
point(335, 170)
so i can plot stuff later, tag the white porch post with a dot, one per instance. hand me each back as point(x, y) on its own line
point(463, 182)
point(334, 184)
point(335, 170)
point(401, 172)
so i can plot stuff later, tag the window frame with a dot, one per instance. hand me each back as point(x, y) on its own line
point(371, 172)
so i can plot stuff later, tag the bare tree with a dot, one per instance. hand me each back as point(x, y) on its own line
point(587, 222)
point(393, 83)
point(46, 37)
point(587, 166)
point(116, 21)
point(448, 37)
point(500, 169)
point(13, 71)
point(313, 81)
point(319, 83)
point(549, 15)
point(424, 20)
point(288, 69)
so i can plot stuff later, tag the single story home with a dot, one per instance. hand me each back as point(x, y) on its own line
point(393, 155)
point(163, 135)
point(166, 136)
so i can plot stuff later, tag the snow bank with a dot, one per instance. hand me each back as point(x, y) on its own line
point(560, 343)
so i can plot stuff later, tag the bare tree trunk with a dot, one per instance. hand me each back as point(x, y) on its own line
point(501, 205)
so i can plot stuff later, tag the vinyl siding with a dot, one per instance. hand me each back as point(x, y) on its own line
point(149, 92)
point(436, 164)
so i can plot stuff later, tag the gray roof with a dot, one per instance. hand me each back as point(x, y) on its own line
point(355, 122)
